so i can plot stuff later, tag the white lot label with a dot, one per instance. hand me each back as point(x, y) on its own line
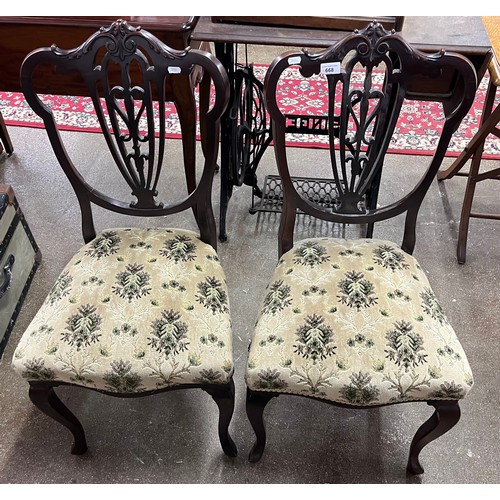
point(174, 69)
point(332, 68)
point(294, 60)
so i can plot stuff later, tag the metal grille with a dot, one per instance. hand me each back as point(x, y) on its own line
point(320, 191)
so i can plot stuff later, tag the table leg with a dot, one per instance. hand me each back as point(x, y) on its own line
point(225, 53)
point(5, 141)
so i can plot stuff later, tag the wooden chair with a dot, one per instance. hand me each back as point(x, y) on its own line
point(138, 310)
point(354, 322)
point(490, 118)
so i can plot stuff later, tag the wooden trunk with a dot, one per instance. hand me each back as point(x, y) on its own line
point(19, 258)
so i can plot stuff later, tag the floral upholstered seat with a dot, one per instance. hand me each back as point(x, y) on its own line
point(134, 310)
point(355, 322)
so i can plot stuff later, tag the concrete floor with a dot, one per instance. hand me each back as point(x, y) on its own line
point(172, 438)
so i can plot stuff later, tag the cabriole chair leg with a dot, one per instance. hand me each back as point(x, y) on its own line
point(445, 416)
point(45, 399)
point(255, 405)
point(224, 398)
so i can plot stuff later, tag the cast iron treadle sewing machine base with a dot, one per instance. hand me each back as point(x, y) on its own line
point(321, 191)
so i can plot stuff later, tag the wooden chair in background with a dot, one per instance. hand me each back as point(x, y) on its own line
point(490, 118)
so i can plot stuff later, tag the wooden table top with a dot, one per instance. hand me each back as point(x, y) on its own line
point(164, 23)
point(464, 34)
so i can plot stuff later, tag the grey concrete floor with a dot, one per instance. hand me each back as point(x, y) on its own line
point(172, 437)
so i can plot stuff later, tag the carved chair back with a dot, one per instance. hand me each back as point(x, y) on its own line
point(130, 74)
point(366, 78)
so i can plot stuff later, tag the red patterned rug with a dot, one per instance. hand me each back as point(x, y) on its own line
point(415, 133)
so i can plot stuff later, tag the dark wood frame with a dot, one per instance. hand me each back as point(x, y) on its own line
point(446, 415)
point(43, 396)
point(124, 46)
point(371, 47)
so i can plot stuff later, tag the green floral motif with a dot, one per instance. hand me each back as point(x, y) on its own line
point(169, 335)
point(209, 376)
point(270, 379)
point(277, 298)
point(121, 378)
point(212, 339)
point(61, 287)
point(35, 369)
point(398, 294)
point(360, 391)
point(355, 291)
point(106, 244)
point(310, 253)
point(271, 339)
point(431, 305)
point(314, 339)
point(45, 329)
point(449, 351)
point(125, 329)
point(404, 346)
point(212, 296)
point(83, 327)
point(175, 285)
point(179, 249)
point(315, 290)
point(132, 283)
point(93, 280)
point(448, 390)
point(194, 359)
point(360, 340)
point(350, 253)
point(141, 245)
point(388, 257)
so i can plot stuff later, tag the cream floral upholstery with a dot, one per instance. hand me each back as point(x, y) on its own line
point(134, 310)
point(355, 322)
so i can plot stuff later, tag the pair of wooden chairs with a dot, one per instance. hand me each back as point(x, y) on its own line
point(142, 310)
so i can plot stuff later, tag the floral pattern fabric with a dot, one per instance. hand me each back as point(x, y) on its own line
point(134, 310)
point(355, 322)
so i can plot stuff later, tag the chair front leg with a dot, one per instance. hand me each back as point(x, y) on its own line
point(224, 398)
point(445, 416)
point(42, 395)
point(255, 405)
